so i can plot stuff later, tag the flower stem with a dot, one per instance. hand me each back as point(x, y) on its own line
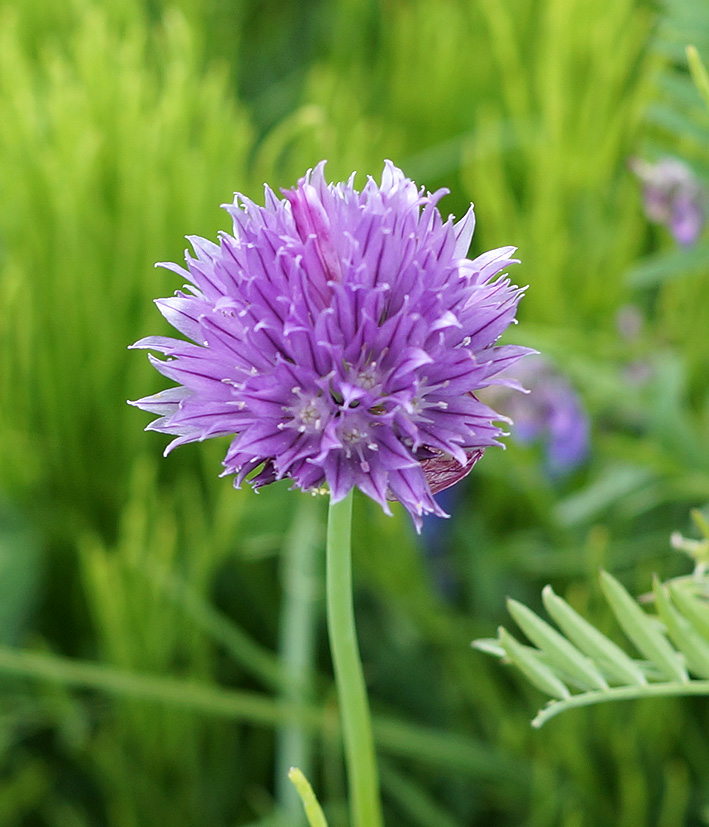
point(301, 593)
point(365, 805)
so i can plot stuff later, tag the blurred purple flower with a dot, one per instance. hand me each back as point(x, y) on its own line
point(629, 322)
point(672, 196)
point(339, 337)
point(551, 413)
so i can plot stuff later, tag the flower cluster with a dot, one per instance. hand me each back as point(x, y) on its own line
point(339, 337)
point(552, 414)
point(673, 196)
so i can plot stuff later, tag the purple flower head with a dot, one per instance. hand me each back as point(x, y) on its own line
point(672, 196)
point(551, 413)
point(339, 337)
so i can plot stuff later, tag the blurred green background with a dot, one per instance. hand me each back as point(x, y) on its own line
point(163, 656)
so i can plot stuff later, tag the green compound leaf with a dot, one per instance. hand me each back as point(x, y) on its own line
point(531, 665)
point(685, 637)
point(560, 653)
point(642, 631)
point(695, 610)
point(581, 657)
point(611, 660)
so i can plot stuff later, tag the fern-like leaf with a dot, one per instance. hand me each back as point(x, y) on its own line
point(577, 665)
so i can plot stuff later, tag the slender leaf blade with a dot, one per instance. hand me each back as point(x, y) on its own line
point(311, 805)
point(700, 521)
point(611, 660)
point(694, 610)
point(685, 637)
point(641, 630)
point(489, 645)
point(560, 652)
point(530, 664)
point(699, 73)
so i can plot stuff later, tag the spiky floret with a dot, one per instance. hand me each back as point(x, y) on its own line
point(339, 337)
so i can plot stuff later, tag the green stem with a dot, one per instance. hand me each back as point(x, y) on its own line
point(674, 689)
point(302, 590)
point(365, 806)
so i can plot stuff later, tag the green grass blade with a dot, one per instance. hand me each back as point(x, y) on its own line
point(420, 807)
point(699, 73)
point(450, 751)
point(313, 810)
point(210, 700)
point(251, 655)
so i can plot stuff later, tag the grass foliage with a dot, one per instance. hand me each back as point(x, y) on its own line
point(161, 639)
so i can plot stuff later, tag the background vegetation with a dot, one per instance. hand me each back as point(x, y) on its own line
point(161, 637)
